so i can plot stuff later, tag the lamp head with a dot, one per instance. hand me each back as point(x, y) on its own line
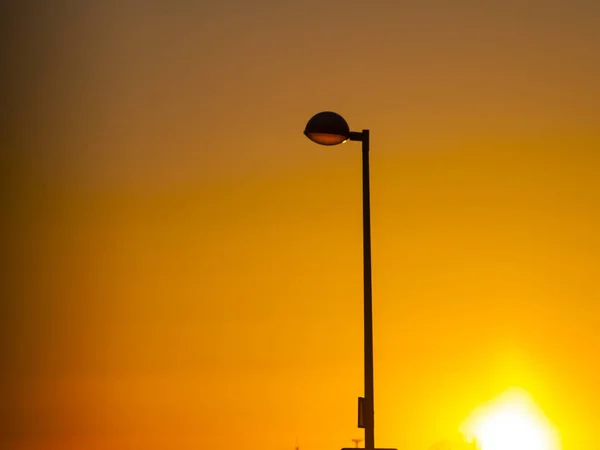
point(327, 128)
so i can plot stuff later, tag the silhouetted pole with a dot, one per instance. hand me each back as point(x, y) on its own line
point(369, 412)
point(329, 128)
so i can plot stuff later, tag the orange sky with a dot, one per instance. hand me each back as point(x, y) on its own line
point(185, 267)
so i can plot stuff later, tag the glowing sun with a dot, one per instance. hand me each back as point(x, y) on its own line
point(511, 421)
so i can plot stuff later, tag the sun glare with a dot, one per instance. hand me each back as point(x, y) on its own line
point(511, 421)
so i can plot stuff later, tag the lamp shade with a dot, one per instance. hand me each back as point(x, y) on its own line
point(327, 128)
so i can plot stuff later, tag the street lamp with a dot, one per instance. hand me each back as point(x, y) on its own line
point(329, 128)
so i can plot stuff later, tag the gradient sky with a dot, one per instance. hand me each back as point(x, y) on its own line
point(185, 268)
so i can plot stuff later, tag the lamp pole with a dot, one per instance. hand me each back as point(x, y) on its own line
point(329, 128)
point(369, 413)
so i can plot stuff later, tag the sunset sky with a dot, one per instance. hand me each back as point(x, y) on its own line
point(184, 267)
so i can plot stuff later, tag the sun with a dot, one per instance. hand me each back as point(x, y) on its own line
point(511, 421)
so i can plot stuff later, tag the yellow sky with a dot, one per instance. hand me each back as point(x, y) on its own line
point(185, 268)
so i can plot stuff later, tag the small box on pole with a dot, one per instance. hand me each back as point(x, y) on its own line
point(361, 412)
